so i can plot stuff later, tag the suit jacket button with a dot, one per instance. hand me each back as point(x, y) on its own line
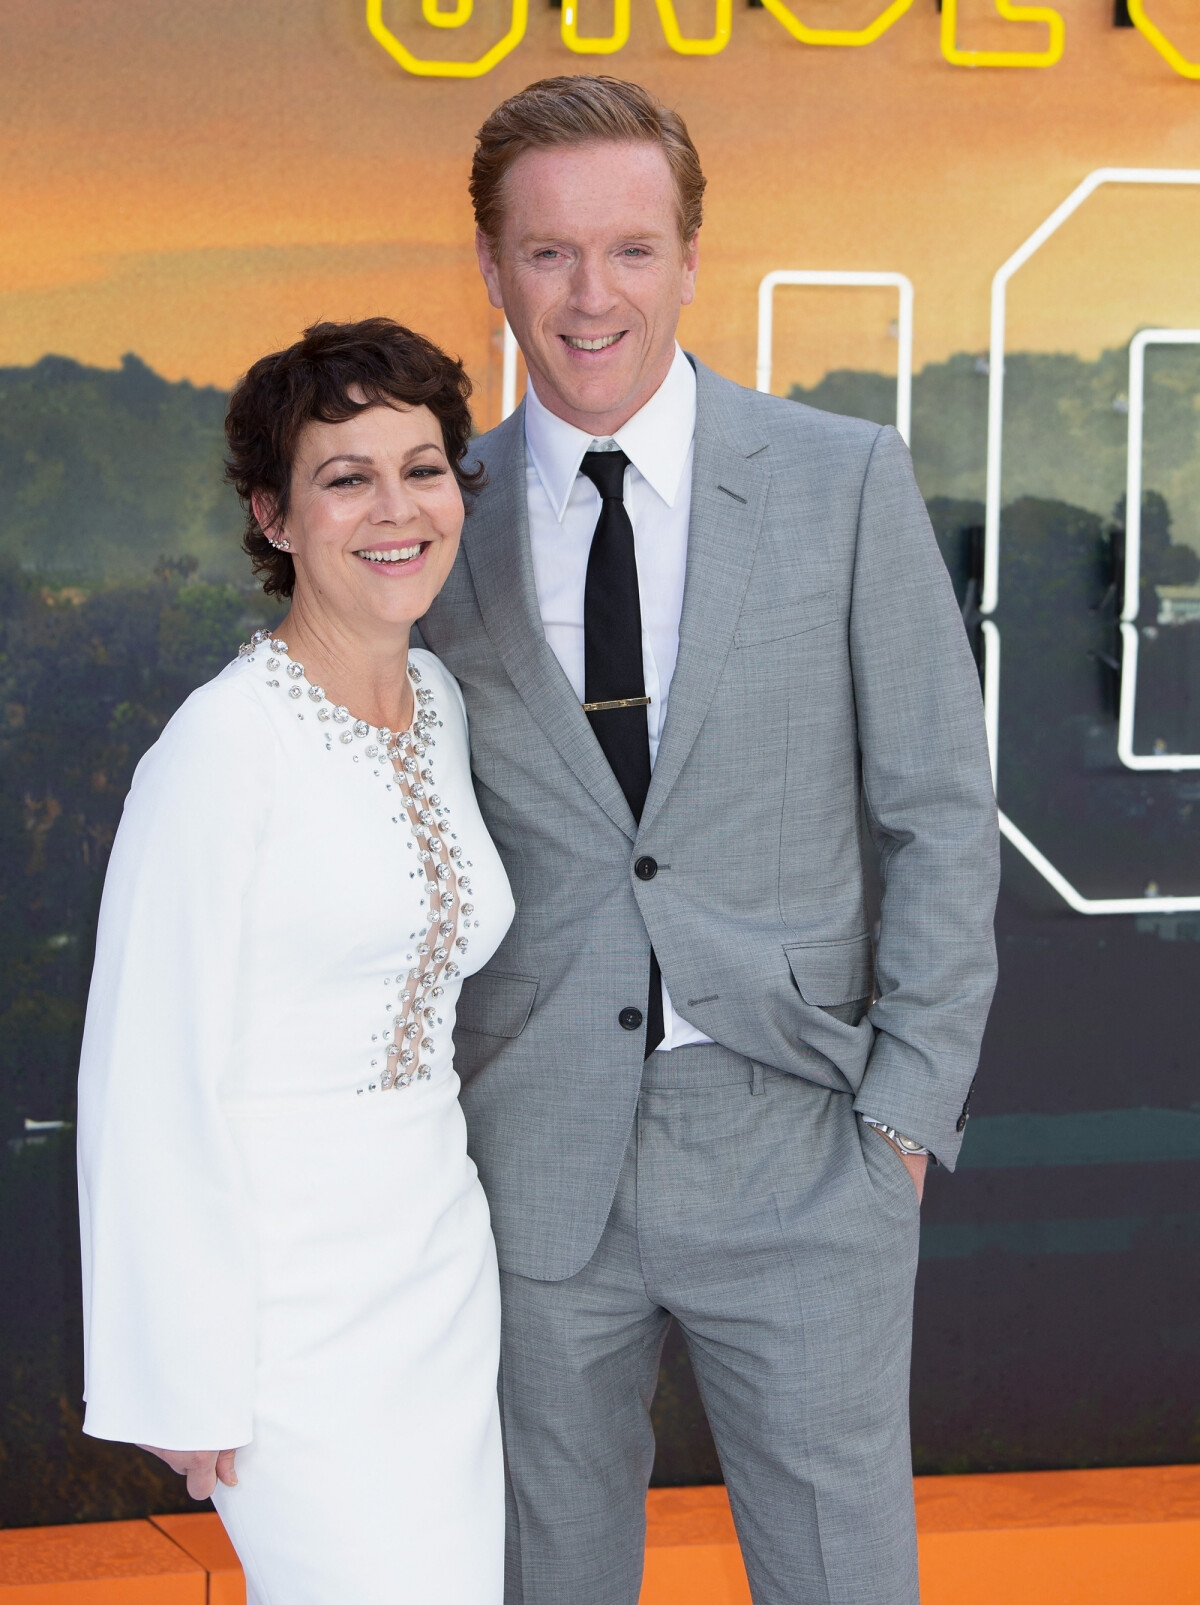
point(629, 1019)
point(645, 869)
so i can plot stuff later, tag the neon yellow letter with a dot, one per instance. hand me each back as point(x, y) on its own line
point(696, 47)
point(591, 46)
point(451, 19)
point(1004, 58)
point(1137, 15)
point(836, 36)
point(447, 19)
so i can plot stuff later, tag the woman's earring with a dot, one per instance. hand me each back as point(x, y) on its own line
point(280, 545)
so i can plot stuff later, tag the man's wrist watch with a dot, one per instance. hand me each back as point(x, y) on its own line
point(907, 1145)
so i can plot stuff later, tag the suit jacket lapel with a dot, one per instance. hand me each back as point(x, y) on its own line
point(729, 493)
point(496, 546)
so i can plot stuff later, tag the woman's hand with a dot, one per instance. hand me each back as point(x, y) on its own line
point(203, 1468)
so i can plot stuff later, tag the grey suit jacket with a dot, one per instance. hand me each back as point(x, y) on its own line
point(823, 670)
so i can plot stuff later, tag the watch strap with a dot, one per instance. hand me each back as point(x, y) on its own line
point(906, 1145)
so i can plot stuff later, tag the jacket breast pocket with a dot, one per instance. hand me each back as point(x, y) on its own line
point(759, 625)
point(837, 977)
point(496, 1005)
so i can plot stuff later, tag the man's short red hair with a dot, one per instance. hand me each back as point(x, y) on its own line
point(581, 111)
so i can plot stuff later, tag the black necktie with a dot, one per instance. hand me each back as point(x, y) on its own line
point(614, 684)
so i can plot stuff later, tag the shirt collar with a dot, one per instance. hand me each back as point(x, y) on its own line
point(657, 439)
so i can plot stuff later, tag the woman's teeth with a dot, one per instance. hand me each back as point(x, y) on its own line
point(397, 554)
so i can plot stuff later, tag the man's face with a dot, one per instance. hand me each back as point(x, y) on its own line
point(591, 273)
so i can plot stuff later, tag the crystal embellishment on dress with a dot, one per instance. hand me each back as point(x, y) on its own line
point(440, 885)
point(398, 753)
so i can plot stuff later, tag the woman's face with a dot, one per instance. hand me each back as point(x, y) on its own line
point(375, 516)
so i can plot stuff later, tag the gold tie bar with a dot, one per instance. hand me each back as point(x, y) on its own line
point(620, 702)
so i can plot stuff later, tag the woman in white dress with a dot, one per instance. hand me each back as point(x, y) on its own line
point(289, 1277)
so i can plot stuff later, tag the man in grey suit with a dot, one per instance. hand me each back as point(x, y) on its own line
point(703, 634)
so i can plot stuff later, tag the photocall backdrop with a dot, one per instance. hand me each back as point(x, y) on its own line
point(185, 187)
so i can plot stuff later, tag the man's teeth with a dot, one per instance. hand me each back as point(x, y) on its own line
point(577, 343)
point(397, 554)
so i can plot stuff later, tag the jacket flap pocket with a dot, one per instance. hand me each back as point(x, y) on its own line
point(829, 973)
point(777, 622)
point(495, 1004)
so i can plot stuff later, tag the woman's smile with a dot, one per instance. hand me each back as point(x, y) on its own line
point(395, 557)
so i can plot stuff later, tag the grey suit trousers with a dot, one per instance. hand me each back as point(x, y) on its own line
point(781, 1234)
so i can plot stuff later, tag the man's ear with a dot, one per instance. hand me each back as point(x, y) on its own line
point(486, 257)
point(691, 266)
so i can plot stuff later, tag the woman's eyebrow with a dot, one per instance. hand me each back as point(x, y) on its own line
point(340, 457)
point(351, 457)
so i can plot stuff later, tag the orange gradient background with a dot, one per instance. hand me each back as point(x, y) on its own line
point(195, 183)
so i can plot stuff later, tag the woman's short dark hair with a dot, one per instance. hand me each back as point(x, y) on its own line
point(313, 380)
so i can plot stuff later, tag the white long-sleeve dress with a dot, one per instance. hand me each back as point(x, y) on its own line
point(286, 1248)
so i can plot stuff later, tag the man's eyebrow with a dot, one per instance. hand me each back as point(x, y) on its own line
point(534, 238)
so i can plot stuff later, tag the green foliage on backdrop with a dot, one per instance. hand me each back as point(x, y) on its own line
point(103, 472)
point(1065, 426)
point(87, 681)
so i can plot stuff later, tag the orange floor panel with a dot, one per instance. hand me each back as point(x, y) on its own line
point(1118, 1537)
point(106, 1563)
point(1125, 1537)
point(692, 1555)
point(204, 1538)
point(1058, 1498)
point(1114, 1537)
point(1134, 1564)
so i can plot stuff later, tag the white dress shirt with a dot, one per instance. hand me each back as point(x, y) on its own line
point(563, 510)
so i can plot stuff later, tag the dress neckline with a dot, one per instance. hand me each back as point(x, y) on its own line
point(386, 743)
